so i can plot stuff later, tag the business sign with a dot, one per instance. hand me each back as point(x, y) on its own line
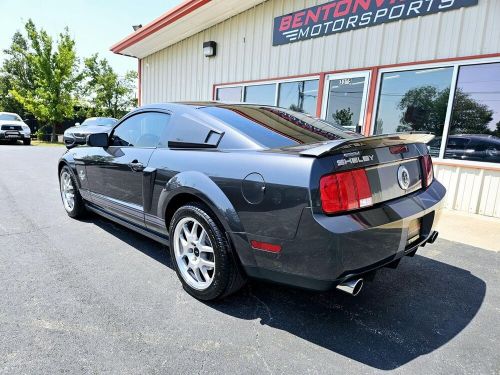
point(345, 15)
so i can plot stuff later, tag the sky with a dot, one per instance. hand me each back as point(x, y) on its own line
point(94, 24)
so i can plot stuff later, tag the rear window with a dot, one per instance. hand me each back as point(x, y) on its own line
point(274, 127)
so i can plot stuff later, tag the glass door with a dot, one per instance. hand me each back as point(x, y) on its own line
point(344, 101)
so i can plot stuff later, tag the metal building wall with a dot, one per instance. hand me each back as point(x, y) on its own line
point(245, 51)
point(475, 191)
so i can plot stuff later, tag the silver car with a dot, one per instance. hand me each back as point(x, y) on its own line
point(77, 135)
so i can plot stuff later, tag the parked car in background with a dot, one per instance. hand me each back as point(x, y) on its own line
point(77, 135)
point(474, 147)
point(13, 128)
point(241, 190)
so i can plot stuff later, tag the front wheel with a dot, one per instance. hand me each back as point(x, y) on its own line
point(72, 200)
point(201, 254)
point(27, 142)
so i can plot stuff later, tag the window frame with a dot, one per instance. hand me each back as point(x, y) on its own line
point(276, 82)
point(449, 110)
point(367, 74)
point(129, 116)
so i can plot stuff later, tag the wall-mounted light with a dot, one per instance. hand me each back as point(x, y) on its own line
point(137, 27)
point(209, 49)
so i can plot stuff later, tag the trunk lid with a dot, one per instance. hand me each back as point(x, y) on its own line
point(393, 163)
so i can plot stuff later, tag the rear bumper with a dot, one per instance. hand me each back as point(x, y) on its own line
point(328, 250)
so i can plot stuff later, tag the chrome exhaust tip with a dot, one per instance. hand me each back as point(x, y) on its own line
point(352, 287)
point(433, 237)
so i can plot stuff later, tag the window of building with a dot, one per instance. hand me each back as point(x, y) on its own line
point(300, 96)
point(229, 94)
point(474, 132)
point(414, 100)
point(261, 94)
point(345, 102)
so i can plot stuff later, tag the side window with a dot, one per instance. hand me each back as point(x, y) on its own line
point(187, 128)
point(141, 130)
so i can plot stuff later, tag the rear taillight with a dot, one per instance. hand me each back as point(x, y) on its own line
point(345, 191)
point(427, 170)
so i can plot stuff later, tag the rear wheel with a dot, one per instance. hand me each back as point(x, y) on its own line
point(72, 200)
point(201, 254)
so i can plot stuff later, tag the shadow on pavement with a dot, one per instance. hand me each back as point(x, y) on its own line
point(403, 314)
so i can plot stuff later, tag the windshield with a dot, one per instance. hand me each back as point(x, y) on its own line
point(274, 127)
point(100, 121)
point(9, 117)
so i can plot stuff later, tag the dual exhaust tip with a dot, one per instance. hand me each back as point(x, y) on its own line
point(352, 287)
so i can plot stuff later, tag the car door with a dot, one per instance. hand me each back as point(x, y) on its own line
point(116, 173)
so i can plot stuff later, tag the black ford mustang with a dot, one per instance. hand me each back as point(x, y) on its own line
point(241, 190)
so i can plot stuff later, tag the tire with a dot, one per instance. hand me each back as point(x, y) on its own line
point(27, 142)
point(77, 208)
point(190, 260)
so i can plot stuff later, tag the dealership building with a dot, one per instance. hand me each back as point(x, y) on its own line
point(372, 66)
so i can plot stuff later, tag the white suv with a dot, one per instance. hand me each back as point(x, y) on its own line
point(13, 128)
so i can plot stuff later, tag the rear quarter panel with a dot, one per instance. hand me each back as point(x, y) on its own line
point(285, 193)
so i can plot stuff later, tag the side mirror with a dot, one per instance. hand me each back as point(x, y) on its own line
point(77, 124)
point(98, 140)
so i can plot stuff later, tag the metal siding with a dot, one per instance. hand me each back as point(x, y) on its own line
point(472, 190)
point(245, 52)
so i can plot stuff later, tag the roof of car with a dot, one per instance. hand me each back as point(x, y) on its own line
point(192, 104)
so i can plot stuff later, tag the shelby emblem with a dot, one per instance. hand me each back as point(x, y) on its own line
point(403, 177)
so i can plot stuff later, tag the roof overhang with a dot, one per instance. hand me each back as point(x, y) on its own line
point(186, 19)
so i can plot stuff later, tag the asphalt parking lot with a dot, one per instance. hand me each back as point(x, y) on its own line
point(92, 297)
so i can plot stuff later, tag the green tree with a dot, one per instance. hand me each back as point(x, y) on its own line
point(15, 68)
point(106, 92)
point(424, 109)
point(470, 116)
point(343, 117)
point(53, 70)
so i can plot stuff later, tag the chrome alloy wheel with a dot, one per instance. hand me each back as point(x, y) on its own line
point(194, 253)
point(67, 191)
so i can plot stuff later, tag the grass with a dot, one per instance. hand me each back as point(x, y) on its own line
point(36, 142)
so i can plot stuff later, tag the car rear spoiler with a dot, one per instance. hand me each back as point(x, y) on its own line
point(361, 143)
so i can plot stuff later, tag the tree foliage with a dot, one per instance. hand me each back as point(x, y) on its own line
point(424, 109)
point(108, 94)
point(52, 66)
point(41, 77)
point(15, 69)
point(343, 117)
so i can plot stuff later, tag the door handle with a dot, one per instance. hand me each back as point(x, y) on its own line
point(136, 166)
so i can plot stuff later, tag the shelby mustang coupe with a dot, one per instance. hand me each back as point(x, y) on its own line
point(242, 191)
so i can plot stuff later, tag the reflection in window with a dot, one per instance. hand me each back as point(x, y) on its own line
point(475, 120)
point(229, 94)
point(414, 100)
point(141, 130)
point(261, 94)
point(300, 96)
point(345, 98)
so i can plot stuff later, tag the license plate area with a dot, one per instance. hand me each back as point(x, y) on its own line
point(414, 231)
